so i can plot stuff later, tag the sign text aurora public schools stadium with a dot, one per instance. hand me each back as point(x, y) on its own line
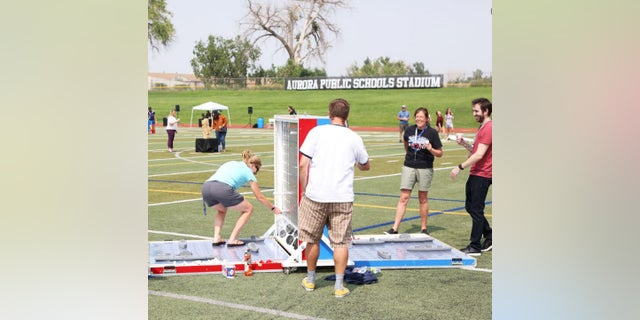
point(384, 82)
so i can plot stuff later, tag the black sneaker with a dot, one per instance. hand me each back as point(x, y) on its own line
point(470, 251)
point(391, 231)
point(486, 245)
point(425, 231)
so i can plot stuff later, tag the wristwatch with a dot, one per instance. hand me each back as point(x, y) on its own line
point(460, 167)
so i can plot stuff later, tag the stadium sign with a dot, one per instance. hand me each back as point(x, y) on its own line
point(348, 83)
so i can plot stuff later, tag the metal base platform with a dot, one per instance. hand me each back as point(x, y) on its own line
point(200, 256)
point(403, 251)
point(406, 251)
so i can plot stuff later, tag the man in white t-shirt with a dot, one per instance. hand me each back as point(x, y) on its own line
point(329, 153)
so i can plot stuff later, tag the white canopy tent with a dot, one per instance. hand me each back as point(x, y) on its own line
point(209, 106)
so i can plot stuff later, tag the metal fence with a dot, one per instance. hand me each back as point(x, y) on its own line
point(217, 83)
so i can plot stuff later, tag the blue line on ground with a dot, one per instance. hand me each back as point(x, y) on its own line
point(357, 193)
point(409, 218)
point(391, 222)
point(362, 194)
point(396, 196)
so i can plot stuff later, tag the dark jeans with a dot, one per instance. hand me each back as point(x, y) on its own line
point(221, 135)
point(476, 195)
point(172, 135)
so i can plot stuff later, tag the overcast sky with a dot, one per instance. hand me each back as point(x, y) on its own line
point(448, 36)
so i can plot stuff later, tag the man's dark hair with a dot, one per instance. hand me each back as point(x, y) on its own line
point(485, 104)
point(339, 108)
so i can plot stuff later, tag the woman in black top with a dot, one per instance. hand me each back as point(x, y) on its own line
point(422, 144)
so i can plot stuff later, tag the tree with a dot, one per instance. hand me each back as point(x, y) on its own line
point(261, 72)
point(477, 75)
point(298, 70)
point(159, 26)
point(478, 80)
point(381, 66)
point(223, 58)
point(418, 69)
point(288, 70)
point(302, 27)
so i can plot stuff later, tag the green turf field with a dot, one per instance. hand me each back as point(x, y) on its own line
point(175, 207)
point(368, 107)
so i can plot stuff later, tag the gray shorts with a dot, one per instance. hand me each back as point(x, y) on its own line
point(411, 176)
point(214, 192)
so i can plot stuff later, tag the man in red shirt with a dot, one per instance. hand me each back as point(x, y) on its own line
point(480, 177)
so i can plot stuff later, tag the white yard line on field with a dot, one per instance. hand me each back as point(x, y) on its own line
point(172, 202)
point(176, 173)
point(274, 312)
point(396, 174)
point(200, 199)
point(180, 234)
point(479, 269)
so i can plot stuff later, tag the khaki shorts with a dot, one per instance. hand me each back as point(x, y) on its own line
point(313, 216)
point(411, 176)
